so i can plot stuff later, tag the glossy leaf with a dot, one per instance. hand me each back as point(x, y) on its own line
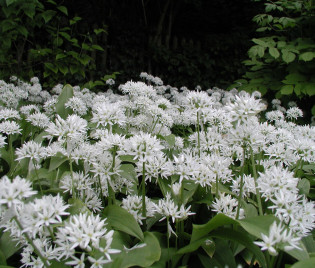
point(120, 219)
point(66, 94)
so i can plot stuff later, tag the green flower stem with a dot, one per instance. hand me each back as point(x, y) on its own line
point(111, 192)
point(168, 242)
point(30, 241)
point(241, 186)
point(37, 176)
point(144, 209)
point(299, 166)
point(217, 186)
point(11, 156)
point(240, 197)
point(198, 133)
point(256, 184)
point(72, 180)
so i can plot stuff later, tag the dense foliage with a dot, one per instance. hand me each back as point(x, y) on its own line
point(282, 59)
point(153, 177)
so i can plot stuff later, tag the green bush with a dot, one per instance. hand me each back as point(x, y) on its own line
point(40, 37)
point(282, 59)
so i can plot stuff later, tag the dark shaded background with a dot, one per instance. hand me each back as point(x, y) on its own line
point(185, 42)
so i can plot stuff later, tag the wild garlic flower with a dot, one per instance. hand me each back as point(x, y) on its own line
point(279, 238)
point(137, 89)
point(10, 127)
point(74, 127)
point(274, 179)
point(76, 105)
point(133, 204)
point(29, 109)
point(83, 230)
point(294, 113)
point(7, 113)
point(244, 107)
point(227, 205)
point(110, 82)
point(30, 149)
point(142, 146)
point(38, 119)
point(15, 191)
point(167, 208)
point(198, 100)
point(40, 213)
point(108, 114)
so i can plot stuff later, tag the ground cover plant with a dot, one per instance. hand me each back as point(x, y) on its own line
point(153, 176)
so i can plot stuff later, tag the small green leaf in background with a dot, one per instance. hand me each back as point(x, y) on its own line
point(274, 52)
point(258, 225)
point(307, 56)
point(63, 9)
point(144, 256)
point(120, 219)
point(202, 230)
point(8, 246)
point(287, 56)
point(66, 94)
point(287, 90)
point(56, 161)
point(309, 263)
point(304, 186)
point(2, 258)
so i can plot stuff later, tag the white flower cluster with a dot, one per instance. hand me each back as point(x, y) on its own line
point(149, 137)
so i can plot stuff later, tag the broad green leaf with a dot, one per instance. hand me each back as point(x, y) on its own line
point(307, 56)
point(170, 139)
point(120, 219)
point(2, 258)
point(51, 67)
point(313, 110)
point(56, 161)
point(287, 56)
point(310, 89)
point(97, 47)
point(10, 2)
point(294, 78)
point(304, 186)
point(193, 246)
point(260, 42)
point(60, 56)
point(274, 52)
point(5, 266)
point(63, 9)
point(167, 254)
point(242, 238)
point(250, 210)
point(206, 261)
point(261, 51)
point(48, 15)
point(77, 206)
point(98, 31)
point(66, 94)
point(127, 158)
point(258, 225)
point(202, 230)
point(224, 254)
point(8, 246)
point(287, 90)
point(299, 254)
point(128, 171)
point(145, 255)
point(310, 263)
point(309, 243)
